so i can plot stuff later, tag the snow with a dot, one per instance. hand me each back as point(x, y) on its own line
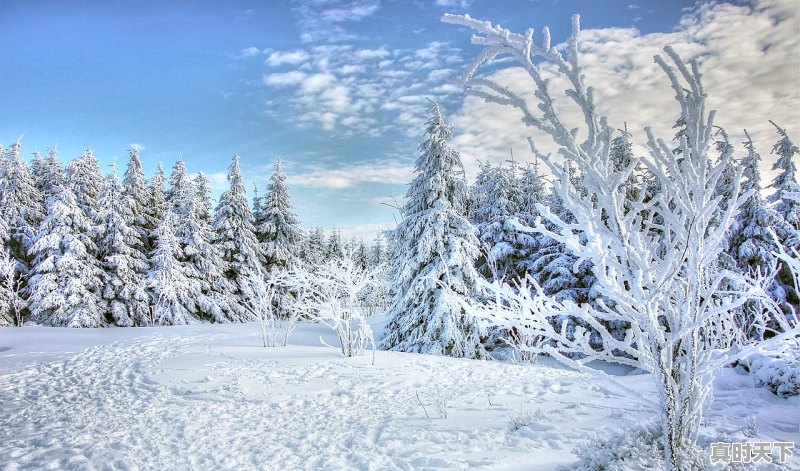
point(209, 396)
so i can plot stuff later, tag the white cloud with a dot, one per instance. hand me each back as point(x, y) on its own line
point(249, 52)
point(368, 54)
point(322, 20)
point(296, 57)
point(388, 172)
point(454, 3)
point(440, 75)
point(293, 77)
point(317, 82)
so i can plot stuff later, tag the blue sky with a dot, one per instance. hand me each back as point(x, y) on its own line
point(336, 89)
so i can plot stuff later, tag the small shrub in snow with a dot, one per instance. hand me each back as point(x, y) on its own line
point(439, 399)
point(333, 295)
point(525, 417)
point(633, 449)
point(775, 371)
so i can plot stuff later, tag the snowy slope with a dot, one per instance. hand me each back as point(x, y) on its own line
point(210, 397)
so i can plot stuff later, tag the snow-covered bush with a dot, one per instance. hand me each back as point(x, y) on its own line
point(775, 370)
point(333, 295)
point(259, 293)
point(636, 449)
point(654, 259)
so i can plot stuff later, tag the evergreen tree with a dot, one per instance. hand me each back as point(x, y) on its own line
point(172, 300)
point(144, 216)
point(432, 256)
point(277, 228)
point(334, 247)
point(784, 199)
point(234, 236)
point(157, 198)
point(65, 280)
point(752, 246)
point(203, 205)
point(51, 174)
point(37, 173)
point(85, 180)
point(120, 254)
point(315, 251)
point(205, 283)
point(496, 203)
point(378, 252)
point(20, 205)
point(361, 256)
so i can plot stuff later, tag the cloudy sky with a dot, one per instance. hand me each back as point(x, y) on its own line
point(336, 88)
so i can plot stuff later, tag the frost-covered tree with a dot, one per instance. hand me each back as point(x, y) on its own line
point(37, 173)
point(377, 255)
point(360, 255)
point(157, 197)
point(65, 279)
point(20, 205)
point(50, 174)
point(200, 258)
point(119, 250)
point(496, 199)
point(785, 183)
point(315, 251)
point(751, 243)
point(172, 299)
point(203, 205)
point(278, 230)
point(143, 214)
point(8, 289)
point(654, 260)
point(432, 255)
point(85, 180)
point(333, 295)
point(532, 193)
point(234, 237)
point(334, 247)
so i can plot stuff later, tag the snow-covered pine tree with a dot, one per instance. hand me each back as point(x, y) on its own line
point(134, 184)
point(496, 201)
point(203, 205)
point(65, 279)
point(377, 254)
point(198, 255)
point(361, 255)
point(278, 229)
point(432, 256)
point(334, 247)
point(37, 173)
point(234, 237)
point(85, 180)
point(315, 251)
point(119, 250)
point(172, 299)
point(51, 174)
point(157, 201)
point(785, 183)
point(20, 205)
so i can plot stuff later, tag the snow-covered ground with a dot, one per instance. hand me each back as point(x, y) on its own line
point(210, 397)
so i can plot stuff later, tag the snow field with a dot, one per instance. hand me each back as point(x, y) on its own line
point(210, 397)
